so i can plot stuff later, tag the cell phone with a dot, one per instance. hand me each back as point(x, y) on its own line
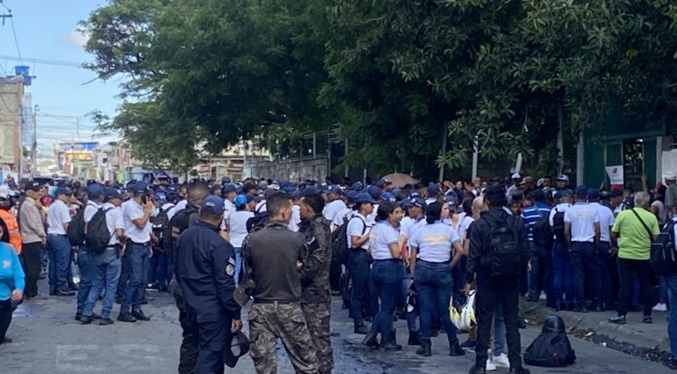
point(144, 199)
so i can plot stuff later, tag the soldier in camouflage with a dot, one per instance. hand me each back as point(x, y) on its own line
point(316, 295)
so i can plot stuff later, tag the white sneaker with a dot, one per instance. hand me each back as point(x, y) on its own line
point(543, 296)
point(490, 366)
point(660, 308)
point(501, 361)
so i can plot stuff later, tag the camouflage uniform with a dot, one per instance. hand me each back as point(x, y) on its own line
point(267, 322)
point(316, 296)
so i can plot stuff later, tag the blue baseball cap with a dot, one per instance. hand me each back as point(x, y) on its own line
point(94, 191)
point(357, 186)
point(139, 187)
point(62, 191)
point(593, 194)
point(295, 194)
point(213, 205)
point(616, 192)
point(332, 189)
point(581, 191)
point(418, 201)
point(433, 189)
point(383, 182)
point(240, 200)
point(113, 193)
point(351, 195)
point(406, 203)
point(229, 187)
point(374, 192)
point(387, 196)
point(364, 197)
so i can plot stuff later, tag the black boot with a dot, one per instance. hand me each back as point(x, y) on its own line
point(425, 349)
point(370, 341)
point(390, 340)
point(414, 338)
point(455, 349)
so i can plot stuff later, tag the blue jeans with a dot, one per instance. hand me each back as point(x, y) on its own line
point(106, 273)
point(671, 285)
point(58, 248)
point(540, 276)
point(434, 285)
point(606, 295)
point(160, 269)
point(387, 277)
point(138, 259)
point(359, 262)
point(86, 269)
point(500, 341)
point(564, 277)
point(239, 267)
point(586, 272)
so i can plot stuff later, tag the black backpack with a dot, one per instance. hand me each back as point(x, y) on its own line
point(505, 246)
point(663, 252)
point(542, 232)
point(98, 236)
point(550, 349)
point(76, 228)
point(174, 228)
point(558, 226)
point(259, 221)
point(160, 223)
point(339, 241)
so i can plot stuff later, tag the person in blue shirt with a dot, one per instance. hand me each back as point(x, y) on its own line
point(435, 243)
point(12, 281)
point(541, 273)
point(386, 274)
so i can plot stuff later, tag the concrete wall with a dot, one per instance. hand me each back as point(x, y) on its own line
point(315, 169)
point(11, 94)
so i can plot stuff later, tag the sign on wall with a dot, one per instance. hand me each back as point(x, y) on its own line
point(615, 174)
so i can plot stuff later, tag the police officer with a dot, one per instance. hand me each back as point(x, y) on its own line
point(182, 220)
point(316, 294)
point(273, 255)
point(206, 265)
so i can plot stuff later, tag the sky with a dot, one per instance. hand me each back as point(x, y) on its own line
point(46, 30)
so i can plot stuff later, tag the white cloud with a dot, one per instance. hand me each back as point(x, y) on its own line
point(76, 38)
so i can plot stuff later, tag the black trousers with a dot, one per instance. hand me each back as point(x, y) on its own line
point(213, 336)
point(5, 317)
point(626, 269)
point(491, 292)
point(188, 352)
point(31, 259)
point(125, 274)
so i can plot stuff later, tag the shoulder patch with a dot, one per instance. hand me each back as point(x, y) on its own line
point(230, 270)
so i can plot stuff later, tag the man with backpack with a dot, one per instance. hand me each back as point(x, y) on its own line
point(563, 281)
point(499, 253)
point(541, 254)
point(95, 194)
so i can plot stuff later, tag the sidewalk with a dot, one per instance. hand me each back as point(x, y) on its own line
point(649, 341)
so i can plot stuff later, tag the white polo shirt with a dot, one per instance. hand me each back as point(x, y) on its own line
point(114, 221)
point(435, 242)
point(358, 226)
point(606, 221)
point(90, 210)
point(582, 217)
point(131, 211)
point(57, 216)
point(382, 235)
point(332, 209)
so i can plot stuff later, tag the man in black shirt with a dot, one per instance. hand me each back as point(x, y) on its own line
point(274, 255)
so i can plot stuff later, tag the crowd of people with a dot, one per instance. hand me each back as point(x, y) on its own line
point(387, 251)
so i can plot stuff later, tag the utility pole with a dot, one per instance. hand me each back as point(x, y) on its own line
point(34, 150)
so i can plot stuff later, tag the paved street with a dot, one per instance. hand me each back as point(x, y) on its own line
point(48, 340)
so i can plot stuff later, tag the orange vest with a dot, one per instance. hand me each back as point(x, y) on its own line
point(13, 227)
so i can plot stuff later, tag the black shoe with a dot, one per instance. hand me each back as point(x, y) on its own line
point(6, 340)
point(434, 333)
point(414, 338)
point(95, 316)
point(390, 345)
point(78, 316)
point(370, 341)
point(532, 299)
point(336, 293)
point(73, 287)
point(118, 300)
point(672, 364)
point(468, 344)
point(519, 370)
point(522, 323)
point(580, 309)
point(361, 329)
point(369, 319)
point(138, 314)
point(455, 350)
point(106, 321)
point(598, 308)
point(620, 320)
point(144, 302)
point(126, 317)
point(64, 293)
point(647, 320)
point(86, 320)
point(426, 348)
point(477, 370)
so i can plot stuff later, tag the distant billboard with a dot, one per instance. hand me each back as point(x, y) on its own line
point(77, 146)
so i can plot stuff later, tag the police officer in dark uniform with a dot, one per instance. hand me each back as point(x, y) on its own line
point(182, 220)
point(206, 265)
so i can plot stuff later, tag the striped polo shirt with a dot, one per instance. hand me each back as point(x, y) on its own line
point(533, 214)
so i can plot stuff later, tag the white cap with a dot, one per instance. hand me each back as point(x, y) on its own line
point(516, 176)
point(670, 176)
point(563, 177)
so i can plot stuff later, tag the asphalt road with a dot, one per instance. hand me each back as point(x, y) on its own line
point(47, 339)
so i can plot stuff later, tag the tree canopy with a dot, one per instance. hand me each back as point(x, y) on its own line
point(393, 78)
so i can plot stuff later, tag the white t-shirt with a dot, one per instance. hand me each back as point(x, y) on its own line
point(434, 242)
point(295, 218)
point(130, 212)
point(382, 235)
point(606, 221)
point(114, 221)
point(358, 226)
point(261, 207)
point(57, 216)
point(333, 209)
point(238, 227)
point(417, 224)
point(582, 217)
point(90, 210)
point(180, 205)
point(661, 210)
point(463, 225)
point(371, 219)
point(563, 207)
point(405, 226)
point(170, 208)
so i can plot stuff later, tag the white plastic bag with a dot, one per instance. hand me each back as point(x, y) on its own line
point(463, 317)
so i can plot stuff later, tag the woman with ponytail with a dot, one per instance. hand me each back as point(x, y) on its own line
point(386, 273)
point(430, 264)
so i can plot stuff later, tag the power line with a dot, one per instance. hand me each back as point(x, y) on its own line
point(43, 61)
point(16, 40)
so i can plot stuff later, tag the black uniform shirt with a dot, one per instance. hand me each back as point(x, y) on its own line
point(205, 267)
